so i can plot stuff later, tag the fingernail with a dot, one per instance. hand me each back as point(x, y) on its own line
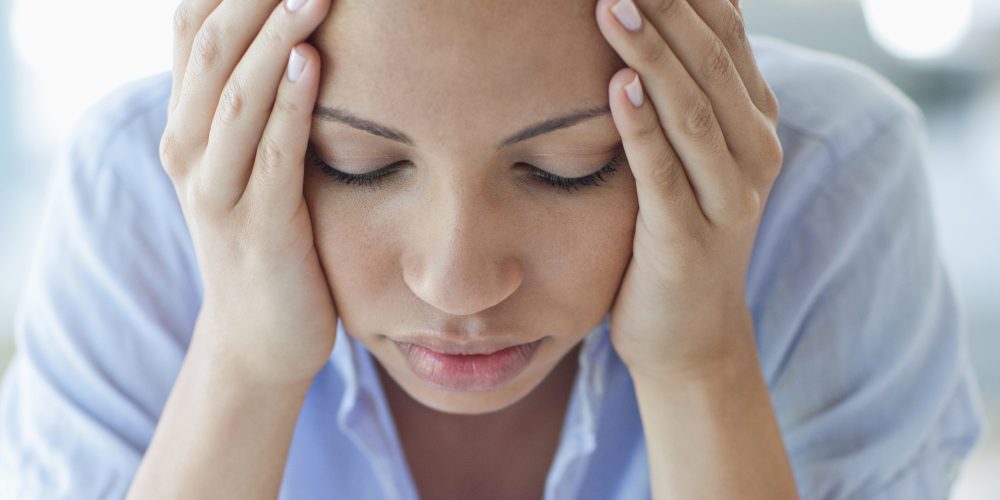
point(634, 92)
point(627, 14)
point(295, 65)
point(294, 5)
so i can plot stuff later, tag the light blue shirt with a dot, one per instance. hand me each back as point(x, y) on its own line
point(857, 327)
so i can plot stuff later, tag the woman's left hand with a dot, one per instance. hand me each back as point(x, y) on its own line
point(704, 152)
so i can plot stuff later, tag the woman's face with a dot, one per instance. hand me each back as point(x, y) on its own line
point(463, 242)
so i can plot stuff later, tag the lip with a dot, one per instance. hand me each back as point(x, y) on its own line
point(482, 366)
point(444, 346)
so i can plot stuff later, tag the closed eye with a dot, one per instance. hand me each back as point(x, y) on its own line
point(376, 177)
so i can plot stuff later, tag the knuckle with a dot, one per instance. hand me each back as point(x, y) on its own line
point(205, 50)
point(667, 171)
point(182, 22)
point(769, 103)
point(665, 7)
point(232, 101)
point(717, 67)
point(649, 129)
point(653, 50)
point(269, 157)
point(736, 33)
point(698, 117)
point(774, 157)
point(773, 152)
point(287, 107)
point(274, 35)
point(170, 154)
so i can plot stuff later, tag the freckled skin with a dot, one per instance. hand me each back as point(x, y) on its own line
point(460, 236)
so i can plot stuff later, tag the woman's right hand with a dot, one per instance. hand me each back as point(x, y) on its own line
point(234, 148)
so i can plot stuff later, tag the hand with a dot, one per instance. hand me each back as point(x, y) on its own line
point(234, 148)
point(704, 152)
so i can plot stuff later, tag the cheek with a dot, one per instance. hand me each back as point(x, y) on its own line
point(590, 249)
point(359, 253)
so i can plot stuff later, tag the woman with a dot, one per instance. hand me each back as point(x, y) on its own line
point(527, 255)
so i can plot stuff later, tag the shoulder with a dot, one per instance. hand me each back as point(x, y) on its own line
point(847, 134)
point(108, 172)
point(109, 198)
point(827, 97)
point(853, 182)
point(119, 134)
point(853, 309)
point(111, 209)
point(120, 107)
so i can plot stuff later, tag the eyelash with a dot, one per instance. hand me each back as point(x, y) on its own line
point(375, 177)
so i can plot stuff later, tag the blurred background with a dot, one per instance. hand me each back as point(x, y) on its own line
point(942, 53)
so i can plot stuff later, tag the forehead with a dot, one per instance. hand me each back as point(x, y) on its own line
point(489, 65)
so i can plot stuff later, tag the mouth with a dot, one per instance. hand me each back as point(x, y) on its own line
point(479, 347)
point(474, 367)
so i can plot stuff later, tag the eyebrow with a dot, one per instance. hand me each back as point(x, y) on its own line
point(335, 114)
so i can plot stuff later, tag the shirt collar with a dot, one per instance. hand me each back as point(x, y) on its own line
point(591, 378)
point(362, 387)
point(579, 434)
point(364, 415)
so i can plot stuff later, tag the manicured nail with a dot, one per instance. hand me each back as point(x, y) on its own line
point(627, 14)
point(634, 92)
point(295, 65)
point(294, 5)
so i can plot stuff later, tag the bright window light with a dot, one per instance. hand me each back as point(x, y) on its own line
point(918, 29)
point(79, 51)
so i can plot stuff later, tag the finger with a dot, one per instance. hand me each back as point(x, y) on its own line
point(727, 21)
point(218, 45)
point(707, 60)
point(686, 113)
point(276, 180)
point(762, 149)
point(249, 96)
point(667, 201)
point(188, 18)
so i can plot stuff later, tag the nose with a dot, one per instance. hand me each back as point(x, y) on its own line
point(461, 257)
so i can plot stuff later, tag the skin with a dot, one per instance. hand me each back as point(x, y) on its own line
point(463, 243)
point(457, 242)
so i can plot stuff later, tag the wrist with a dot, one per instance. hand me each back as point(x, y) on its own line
point(711, 376)
point(724, 411)
point(254, 356)
point(732, 352)
point(219, 433)
point(225, 368)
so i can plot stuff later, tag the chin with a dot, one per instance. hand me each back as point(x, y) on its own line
point(468, 403)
